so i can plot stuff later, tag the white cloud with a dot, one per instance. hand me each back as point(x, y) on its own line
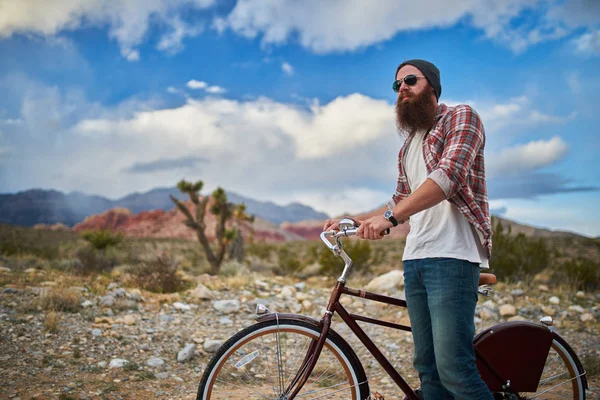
point(287, 68)
point(527, 157)
point(588, 43)
point(128, 21)
point(342, 25)
point(215, 89)
point(518, 113)
point(194, 84)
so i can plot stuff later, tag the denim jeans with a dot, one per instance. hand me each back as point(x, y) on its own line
point(441, 294)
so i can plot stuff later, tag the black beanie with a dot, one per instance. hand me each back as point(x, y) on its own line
point(429, 70)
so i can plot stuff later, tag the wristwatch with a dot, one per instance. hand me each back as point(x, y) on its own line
point(389, 215)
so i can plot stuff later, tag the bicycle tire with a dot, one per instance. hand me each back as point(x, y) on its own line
point(560, 354)
point(247, 352)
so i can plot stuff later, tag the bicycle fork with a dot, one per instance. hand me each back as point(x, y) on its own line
point(315, 348)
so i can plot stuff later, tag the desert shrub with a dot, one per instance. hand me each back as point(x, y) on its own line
point(158, 275)
point(92, 261)
point(289, 262)
point(580, 272)
point(358, 250)
point(43, 243)
point(51, 322)
point(103, 238)
point(263, 251)
point(233, 268)
point(61, 300)
point(591, 363)
point(517, 256)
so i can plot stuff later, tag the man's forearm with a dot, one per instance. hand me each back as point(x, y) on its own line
point(427, 195)
point(379, 211)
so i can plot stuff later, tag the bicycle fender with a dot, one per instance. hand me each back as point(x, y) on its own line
point(512, 352)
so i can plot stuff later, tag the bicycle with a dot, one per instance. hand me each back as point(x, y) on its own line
point(290, 356)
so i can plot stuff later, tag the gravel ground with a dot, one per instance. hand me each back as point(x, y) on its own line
point(78, 356)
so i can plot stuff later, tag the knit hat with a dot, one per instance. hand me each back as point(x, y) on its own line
point(429, 70)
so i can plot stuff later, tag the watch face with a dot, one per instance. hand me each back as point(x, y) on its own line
point(387, 214)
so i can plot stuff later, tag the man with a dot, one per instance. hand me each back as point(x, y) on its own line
point(441, 189)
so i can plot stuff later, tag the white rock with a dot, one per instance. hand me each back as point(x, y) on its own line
point(181, 306)
point(554, 300)
point(225, 321)
point(303, 296)
point(300, 286)
point(578, 309)
point(261, 285)
point(547, 310)
point(211, 346)
point(543, 288)
point(96, 332)
point(507, 310)
point(155, 362)
point(201, 292)
point(307, 305)
point(187, 353)
point(87, 304)
point(580, 295)
point(586, 317)
point(486, 314)
point(129, 320)
point(107, 301)
point(227, 306)
point(117, 363)
point(287, 292)
point(489, 304)
point(392, 280)
point(102, 364)
point(4, 269)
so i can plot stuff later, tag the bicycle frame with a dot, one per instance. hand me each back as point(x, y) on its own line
point(351, 320)
point(525, 338)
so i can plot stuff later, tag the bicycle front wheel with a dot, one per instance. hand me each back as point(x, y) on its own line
point(562, 377)
point(260, 361)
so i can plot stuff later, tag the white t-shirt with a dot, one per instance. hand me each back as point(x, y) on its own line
point(439, 231)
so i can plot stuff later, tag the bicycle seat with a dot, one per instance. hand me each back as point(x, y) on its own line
point(487, 279)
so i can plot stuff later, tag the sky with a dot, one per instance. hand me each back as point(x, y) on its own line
point(291, 101)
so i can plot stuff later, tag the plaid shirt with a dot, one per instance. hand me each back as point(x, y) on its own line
point(453, 151)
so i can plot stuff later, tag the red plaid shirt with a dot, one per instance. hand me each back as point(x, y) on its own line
point(453, 151)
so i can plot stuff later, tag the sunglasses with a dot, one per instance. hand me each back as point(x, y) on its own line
point(410, 80)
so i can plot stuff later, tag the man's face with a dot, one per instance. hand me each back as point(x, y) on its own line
point(416, 105)
point(406, 93)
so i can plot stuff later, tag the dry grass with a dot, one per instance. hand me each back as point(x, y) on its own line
point(158, 275)
point(61, 300)
point(51, 322)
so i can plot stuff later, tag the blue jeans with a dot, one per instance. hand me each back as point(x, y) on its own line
point(441, 294)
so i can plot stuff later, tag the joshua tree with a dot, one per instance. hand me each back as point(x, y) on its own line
point(223, 210)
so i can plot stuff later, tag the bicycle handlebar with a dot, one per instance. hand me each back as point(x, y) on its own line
point(348, 227)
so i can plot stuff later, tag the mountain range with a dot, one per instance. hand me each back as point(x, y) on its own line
point(39, 206)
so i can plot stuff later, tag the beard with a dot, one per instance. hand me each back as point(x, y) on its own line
point(415, 114)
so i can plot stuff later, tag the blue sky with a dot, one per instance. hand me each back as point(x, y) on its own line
point(291, 101)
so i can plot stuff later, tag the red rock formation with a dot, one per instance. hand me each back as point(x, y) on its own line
point(169, 224)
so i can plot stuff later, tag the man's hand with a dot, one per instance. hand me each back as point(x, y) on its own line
point(374, 228)
point(333, 224)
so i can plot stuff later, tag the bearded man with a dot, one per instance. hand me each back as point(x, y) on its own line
point(441, 191)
